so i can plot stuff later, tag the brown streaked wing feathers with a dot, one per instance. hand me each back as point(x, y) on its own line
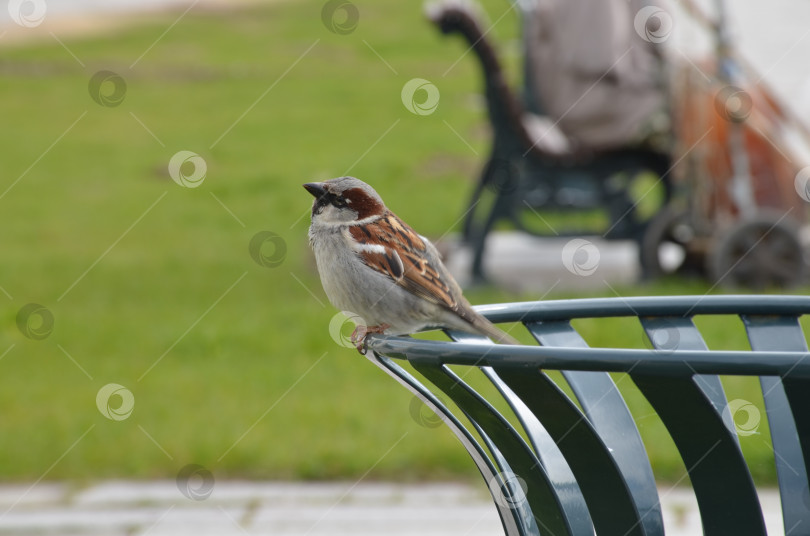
point(411, 271)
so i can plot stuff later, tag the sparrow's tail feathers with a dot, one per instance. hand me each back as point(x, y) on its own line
point(493, 332)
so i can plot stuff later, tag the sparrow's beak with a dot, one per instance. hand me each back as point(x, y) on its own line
point(316, 189)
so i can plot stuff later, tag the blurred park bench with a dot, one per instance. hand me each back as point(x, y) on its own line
point(591, 120)
point(696, 160)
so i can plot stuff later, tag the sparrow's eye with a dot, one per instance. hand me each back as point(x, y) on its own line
point(339, 201)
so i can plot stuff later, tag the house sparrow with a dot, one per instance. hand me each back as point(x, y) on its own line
point(374, 265)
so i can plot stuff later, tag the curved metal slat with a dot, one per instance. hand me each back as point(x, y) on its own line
point(798, 394)
point(611, 419)
point(725, 492)
point(508, 490)
point(783, 333)
point(611, 507)
point(556, 466)
point(545, 505)
point(560, 474)
point(482, 462)
point(649, 362)
point(670, 333)
point(645, 306)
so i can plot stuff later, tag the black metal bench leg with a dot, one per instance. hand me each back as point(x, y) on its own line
point(475, 235)
point(500, 209)
point(470, 230)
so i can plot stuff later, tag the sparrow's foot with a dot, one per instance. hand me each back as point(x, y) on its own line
point(360, 332)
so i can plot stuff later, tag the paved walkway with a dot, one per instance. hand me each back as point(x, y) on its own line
point(523, 263)
point(117, 508)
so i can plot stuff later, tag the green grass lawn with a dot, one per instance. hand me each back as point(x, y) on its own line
point(152, 286)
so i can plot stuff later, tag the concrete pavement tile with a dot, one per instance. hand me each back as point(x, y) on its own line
point(293, 509)
point(128, 492)
point(77, 520)
point(361, 520)
point(280, 492)
point(167, 492)
point(181, 521)
point(682, 517)
point(436, 494)
point(22, 495)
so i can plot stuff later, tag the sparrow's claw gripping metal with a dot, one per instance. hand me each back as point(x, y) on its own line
point(360, 333)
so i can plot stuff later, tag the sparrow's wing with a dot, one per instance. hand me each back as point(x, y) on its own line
point(391, 247)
